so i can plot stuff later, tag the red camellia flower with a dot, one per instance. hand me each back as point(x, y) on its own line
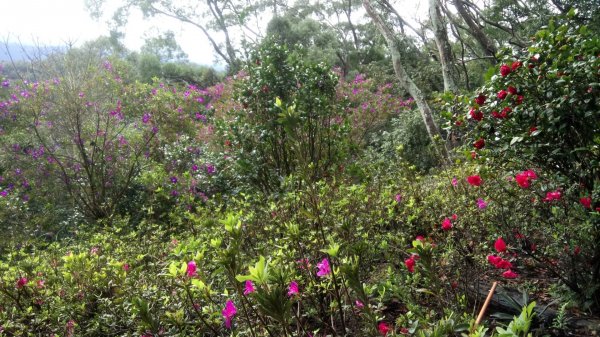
point(446, 224)
point(512, 90)
point(586, 202)
point(476, 114)
point(551, 196)
point(480, 100)
point(502, 94)
point(479, 144)
point(516, 65)
point(519, 100)
point(383, 328)
point(500, 245)
point(524, 178)
point(474, 180)
point(504, 70)
point(509, 274)
point(410, 264)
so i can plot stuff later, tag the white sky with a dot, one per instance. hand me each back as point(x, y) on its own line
point(55, 22)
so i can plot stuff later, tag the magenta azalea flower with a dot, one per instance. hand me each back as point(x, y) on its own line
point(191, 269)
point(481, 203)
point(249, 287)
point(446, 224)
point(293, 288)
point(324, 268)
point(228, 312)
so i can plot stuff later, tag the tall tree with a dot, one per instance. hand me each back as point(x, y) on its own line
point(443, 45)
point(405, 80)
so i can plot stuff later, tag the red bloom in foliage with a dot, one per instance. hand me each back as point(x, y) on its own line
point(532, 129)
point(524, 178)
point(499, 262)
point(474, 180)
point(516, 65)
point(479, 144)
point(551, 196)
point(410, 263)
point(509, 274)
point(512, 90)
point(480, 100)
point(519, 100)
point(476, 114)
point(446, 224)
point(500, 245)
point(586, 202)
point(502, 94)
point(504, 70)
point(383, 328)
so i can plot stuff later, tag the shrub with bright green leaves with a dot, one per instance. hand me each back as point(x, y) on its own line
point(289, 119)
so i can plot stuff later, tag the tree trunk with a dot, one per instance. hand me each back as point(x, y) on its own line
point(486, 44)
point(443, 45)
point(405, 81)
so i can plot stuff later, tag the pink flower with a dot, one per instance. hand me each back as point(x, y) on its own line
point(191, 269)
point(126, 267)
point(493, 259)
point(500, 245)
point(554, 195)
point(324, 268)
point(293, 288)
point(410, 263)
point(516, 65)
point(359, 304)
point(21, 282)
point(481, 203)
point(228, 312)
point(398, 198)
point(509, 274)
point(504, 70)
point(474, 180)
point(383, 328)
point(454, 217)
point(524, 178)
point(586, 202)
point(446, 224)
point(420, 238)
point(454, 181)
point(249, 287)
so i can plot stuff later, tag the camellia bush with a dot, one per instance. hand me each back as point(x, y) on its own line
point(540, 116)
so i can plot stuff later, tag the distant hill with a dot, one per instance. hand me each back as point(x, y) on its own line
point(21, 52)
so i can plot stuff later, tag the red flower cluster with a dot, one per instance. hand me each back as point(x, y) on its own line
point(502, 94)
point(551, 196)
point(512, 90)
point(446, 224)
point(480, 100)
point(500, 245)
point(410, 262)
point(524, 178)
point(499, 262)
point(474, 180)
point(476, 114)
point(586, 202)
point(504, 70)
point(479, 144)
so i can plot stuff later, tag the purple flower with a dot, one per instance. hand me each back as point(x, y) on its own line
point(481, 203)
point(228, 312)
point(194, 167)
point(249, 287)
point(146, 118)
point(398, 198)
point(210, 169)
point(174, 180)
point(324, 268)
point(293, 288)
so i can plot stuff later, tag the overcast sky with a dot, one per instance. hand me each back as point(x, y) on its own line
point(56, 22)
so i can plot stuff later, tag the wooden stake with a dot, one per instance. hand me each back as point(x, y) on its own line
point(485, 305)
